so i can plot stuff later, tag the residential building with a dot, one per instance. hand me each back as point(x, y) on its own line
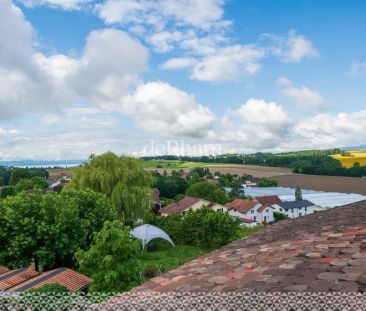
point(250, 182)
point(250, 210)
point(296, 208)
point(24, 279)
point(269, 200)
point(189, 203)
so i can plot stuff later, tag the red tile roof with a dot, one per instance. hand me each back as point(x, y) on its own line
point(321, 252)
point(242, 205)
point(71, 279)
point(15, 277)
point(3, 269)
point(262, 208)
point(269, 199)
point(179, 206)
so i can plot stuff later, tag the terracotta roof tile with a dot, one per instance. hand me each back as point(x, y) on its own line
point(3, 269)
point(71, 279)
point(268, 199)
point(15, 277)
point(179, 206)
point(321, 252)
point(242, 205)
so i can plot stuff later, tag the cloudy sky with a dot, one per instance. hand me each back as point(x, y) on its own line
point(141, 76)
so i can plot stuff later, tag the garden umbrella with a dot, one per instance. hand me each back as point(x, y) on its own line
point(148, 232)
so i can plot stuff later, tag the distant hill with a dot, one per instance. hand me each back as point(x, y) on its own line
point(40, 163)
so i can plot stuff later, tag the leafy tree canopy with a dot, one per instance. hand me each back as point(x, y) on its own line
point(111, 260)
point(122, 179)
point(208, 192)
point(49, 229)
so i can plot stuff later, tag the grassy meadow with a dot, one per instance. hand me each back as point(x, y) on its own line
point(172, 164)
point(349, 160)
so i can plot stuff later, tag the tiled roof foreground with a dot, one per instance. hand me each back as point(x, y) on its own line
point(24, 279)
point(324, 251)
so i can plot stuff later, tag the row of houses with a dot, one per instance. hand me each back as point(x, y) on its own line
point(25, 279)
point(250, 212)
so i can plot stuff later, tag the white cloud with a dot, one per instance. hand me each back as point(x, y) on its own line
point(283, 81)
point(256, 124)
point(160, 108)
point(357, 69)
point(178, 63)
point(23, 86)
point(326, 130)
point(62, 4)
point(293, 48)
point(79, 117)
point(163, 41)
point(305, 97)
point(229, 63)
point(204, 14)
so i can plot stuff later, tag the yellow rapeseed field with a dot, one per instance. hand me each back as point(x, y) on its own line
point(356, 156)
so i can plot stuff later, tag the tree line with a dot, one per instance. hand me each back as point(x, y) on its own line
point(312, 162)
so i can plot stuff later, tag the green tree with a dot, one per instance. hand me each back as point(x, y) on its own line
point(298, 194)
point(122, 179)
point(203, 228)
point(49, 229)
point(31, 184)
point(267, 182)
point(18, 174)
point(111, 260)
point(7, 191)
point(207, 191)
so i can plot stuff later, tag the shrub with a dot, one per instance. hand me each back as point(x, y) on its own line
point(267, 182)
point(208, 192)
point(279, 216)
point(203, 228)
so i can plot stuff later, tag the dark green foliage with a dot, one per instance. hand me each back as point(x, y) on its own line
point(313, 162)
point(7, 191)
point(170, 186)
point(49, 229)
point(112, 259)
point(267, 182)
point(31, 184)
point(202, 228)
point(50, 288)
point(121, 179)
point(279, 216)
point(18, 174)
point(298, 194)
point(207, 191)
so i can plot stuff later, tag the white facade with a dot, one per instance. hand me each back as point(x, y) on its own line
point(296, 212)
point(254, 214)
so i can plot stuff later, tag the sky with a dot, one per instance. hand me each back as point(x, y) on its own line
point(192, 77)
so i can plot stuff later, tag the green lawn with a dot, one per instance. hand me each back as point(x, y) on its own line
point(166, 257)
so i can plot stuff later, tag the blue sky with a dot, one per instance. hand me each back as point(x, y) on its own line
point(144, 77)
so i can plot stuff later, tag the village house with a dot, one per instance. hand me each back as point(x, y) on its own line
point(25, 279)
point(250, 211)
point(190, 203)
point(249, 182)
point(294, 209)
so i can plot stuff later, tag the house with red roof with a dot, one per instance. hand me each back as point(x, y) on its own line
point(24, 279)
point(250, 212)
point(190, 203)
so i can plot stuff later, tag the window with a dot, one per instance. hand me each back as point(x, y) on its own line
point(255, 218)
point(267, 210)
point(281, 209)
point(220, 209)
point(306, 208)
point(265, 218)
point(252, 211)
point(300, 214)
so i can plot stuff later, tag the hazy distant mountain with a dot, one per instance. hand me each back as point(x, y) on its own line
point(40, 163)
point(363, 147)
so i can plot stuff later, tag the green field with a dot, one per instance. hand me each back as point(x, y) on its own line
point(349, 160)
point(173, 164)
